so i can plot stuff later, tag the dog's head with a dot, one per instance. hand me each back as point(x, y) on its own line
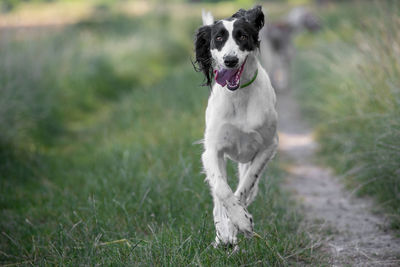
point(225, 45)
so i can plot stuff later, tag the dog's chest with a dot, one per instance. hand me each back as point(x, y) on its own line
point(244, 109)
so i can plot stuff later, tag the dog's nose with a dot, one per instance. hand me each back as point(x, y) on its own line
point(231, 61)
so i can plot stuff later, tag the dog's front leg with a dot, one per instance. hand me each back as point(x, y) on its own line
point(215, 168)
point(226, 231)
point(229, 214)
point(251, 172)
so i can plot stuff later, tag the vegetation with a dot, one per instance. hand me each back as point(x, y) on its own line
point(349, 78)
point(97, 162)
point(98, 122)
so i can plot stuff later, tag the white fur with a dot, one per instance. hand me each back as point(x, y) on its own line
point(207, 17)
point(240, 125)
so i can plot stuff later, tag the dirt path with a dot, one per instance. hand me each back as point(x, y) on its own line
point(356, 236)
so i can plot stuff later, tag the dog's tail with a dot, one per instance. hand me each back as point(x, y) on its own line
point(207, 17)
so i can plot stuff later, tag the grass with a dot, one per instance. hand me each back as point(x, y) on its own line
point(97, 162)
point(350, 91)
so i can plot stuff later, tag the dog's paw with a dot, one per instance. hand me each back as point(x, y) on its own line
point(226, 231)
point(241, 218)
point(231, 248)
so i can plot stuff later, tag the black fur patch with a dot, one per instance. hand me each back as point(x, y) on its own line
point(245, 35)
point(252, 185)
point(203, 54)
point(219, 36)
point(249, 23)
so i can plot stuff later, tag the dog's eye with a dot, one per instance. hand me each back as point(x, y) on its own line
point(218, 38)
point(243, 37)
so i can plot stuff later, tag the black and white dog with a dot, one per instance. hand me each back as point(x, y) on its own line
point(241, 121)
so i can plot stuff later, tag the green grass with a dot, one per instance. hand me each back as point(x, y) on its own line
point(97, 161)
point(349, 85)
point(61, 211)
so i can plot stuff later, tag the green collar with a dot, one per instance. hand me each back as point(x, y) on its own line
point(251, 81)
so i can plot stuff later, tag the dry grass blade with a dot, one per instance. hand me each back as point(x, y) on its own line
point(125, 241)
point(266, 243)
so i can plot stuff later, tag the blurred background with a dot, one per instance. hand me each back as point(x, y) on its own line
point(100, 107)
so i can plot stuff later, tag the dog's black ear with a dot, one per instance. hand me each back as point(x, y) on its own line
point(241, 13)
point(255, 16)
point(203, 53)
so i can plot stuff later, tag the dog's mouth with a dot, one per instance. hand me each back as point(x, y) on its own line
point(229, 77)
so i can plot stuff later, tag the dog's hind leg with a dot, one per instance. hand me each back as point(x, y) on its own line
point(248, 184)
point(243, 168)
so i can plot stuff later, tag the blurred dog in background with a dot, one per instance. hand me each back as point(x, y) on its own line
point(277, 49)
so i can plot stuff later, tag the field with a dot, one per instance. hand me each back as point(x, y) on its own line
point(101, 109)
point(98, 161)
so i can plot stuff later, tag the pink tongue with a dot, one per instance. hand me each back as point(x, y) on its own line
point(229, 77)
point(223, 75)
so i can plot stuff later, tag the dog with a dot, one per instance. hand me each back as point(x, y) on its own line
point(241, 120)
point(277, 49)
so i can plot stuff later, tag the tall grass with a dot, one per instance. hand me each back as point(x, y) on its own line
point(351, 90)
point(48, 80)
